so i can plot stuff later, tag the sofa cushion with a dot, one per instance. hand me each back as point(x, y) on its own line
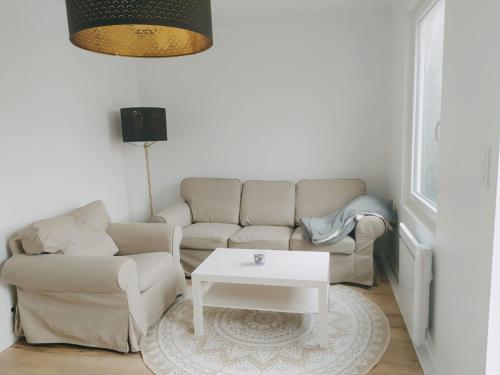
point(267, 203)
point(212, 200)
point(300, 242)
point(207, 236)
point(151, 267)
point(261, 237)
point(317, 198)
point(67, 235)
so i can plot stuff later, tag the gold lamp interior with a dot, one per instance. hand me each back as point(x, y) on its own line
point(141, 40)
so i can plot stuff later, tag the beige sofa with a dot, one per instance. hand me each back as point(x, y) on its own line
point(266, 215)
point(95, 300)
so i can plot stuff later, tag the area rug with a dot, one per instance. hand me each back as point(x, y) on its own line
point(241, 342)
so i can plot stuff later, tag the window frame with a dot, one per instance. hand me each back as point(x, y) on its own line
point(417, 202)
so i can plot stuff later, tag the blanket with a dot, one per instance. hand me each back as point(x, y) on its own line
point(335, 227)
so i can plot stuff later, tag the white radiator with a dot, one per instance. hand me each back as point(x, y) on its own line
point(415, 275)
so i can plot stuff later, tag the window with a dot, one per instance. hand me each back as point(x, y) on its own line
point(427, 104)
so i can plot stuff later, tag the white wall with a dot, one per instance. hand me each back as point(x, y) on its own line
point(60, 143)
point(284, 98)
point(462, 237)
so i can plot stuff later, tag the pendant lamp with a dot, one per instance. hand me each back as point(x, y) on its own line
point(141, 28)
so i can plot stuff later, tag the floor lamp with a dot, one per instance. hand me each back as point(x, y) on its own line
point(146, 125)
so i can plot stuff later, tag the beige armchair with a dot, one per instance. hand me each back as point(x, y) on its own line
point(98, 301)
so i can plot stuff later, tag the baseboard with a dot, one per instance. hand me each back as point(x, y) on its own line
point(423, 351)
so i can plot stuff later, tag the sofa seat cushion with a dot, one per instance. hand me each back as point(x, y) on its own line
point(261, 237)
point(152, 267)
point(300, 242)
point(207, 236)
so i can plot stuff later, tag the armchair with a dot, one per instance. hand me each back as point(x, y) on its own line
point(98, 301)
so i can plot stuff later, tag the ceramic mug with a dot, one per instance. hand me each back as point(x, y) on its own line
point(259, 258)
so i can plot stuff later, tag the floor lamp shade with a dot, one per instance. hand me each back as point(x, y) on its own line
point(144, 124)
point(147, 125)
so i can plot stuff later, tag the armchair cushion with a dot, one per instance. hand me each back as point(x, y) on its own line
point(94, 215)
point(261, 237)
point(300, 242)
point(207, 236)
point(67, 235)
point(152, 267)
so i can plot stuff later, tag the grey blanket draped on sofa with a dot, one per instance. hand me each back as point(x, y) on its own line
point(336, 226)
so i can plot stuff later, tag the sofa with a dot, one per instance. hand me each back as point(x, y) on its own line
point(81, 279)
point(224, 213)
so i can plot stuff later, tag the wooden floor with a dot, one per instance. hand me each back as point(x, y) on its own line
point(25, 359)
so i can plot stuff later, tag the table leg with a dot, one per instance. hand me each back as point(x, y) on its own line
point(323, 315)
point(197, 307)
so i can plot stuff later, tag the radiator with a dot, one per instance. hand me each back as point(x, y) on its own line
point(415, 275)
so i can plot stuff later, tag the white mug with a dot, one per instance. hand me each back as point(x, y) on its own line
point(259, 258)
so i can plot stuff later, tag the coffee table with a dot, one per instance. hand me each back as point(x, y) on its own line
point(289, 281)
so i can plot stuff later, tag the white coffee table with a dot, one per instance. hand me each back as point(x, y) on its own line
point(289, 281)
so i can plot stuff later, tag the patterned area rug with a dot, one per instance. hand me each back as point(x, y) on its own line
point(241, 342)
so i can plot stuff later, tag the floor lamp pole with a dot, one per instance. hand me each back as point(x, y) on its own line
point(148, 172)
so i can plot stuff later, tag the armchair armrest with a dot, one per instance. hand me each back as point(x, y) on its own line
point(138, 238)
point(178, 214)
point(63, 273)
point(147, 238)
point(367, 230)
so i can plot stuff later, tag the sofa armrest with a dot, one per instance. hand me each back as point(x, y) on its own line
point(136, 238)
point(178, 214)
point(64, 273)
point(367, 230)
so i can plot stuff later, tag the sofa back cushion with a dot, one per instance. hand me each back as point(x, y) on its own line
point(80, 232)
point(268, 203)
point(212, 200)
point(317, 198)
